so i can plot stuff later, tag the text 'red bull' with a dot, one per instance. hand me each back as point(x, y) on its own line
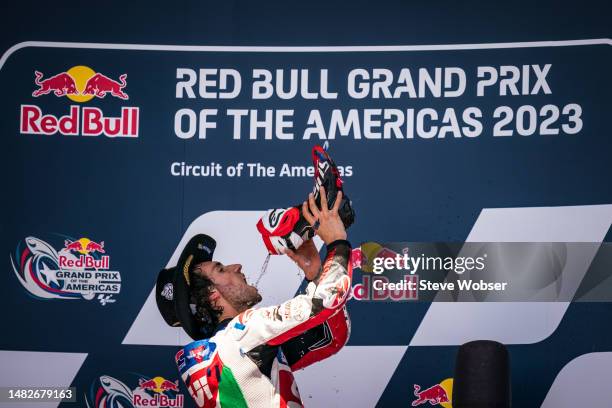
point(85, 261)
point(85, 121)
point(158, 401)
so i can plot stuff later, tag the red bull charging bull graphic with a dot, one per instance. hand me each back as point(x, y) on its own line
point(80, 84)
point(99, 85)
point(79, 269)
point(109, 392)
point(60, 84)
point(438, 394)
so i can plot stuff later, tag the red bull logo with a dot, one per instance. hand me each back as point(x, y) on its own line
point(439, 394)
point(158, 385)
point(80, 84)
point(161, 389)
point(84, 246)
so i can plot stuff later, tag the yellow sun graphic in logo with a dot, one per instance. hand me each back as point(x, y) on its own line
point(80, 74)
point(84, 242)
point(447, 384)
point(369, 251)
point(158, 382)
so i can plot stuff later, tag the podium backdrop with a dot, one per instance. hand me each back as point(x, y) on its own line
point(127, 130)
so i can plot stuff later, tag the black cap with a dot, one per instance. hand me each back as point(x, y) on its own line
point(172, 291)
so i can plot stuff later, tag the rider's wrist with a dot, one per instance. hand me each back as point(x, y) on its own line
point(338, 242)
point(335, 237)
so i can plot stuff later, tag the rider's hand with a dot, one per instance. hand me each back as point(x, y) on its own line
point(326, 222)
point(307, 258)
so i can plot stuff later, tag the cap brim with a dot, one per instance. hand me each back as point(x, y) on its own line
point(164, 296)
point(199, 249)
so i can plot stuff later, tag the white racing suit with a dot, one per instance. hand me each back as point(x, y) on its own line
point(249, 360)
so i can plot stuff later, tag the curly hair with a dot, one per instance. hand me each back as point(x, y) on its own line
point(206, 314)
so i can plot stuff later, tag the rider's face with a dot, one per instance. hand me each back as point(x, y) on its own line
point(231, 284)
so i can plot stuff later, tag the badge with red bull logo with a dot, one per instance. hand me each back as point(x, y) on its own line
point(438, 394)
point(78, 269)
point(80, 84)
point(109, 392)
